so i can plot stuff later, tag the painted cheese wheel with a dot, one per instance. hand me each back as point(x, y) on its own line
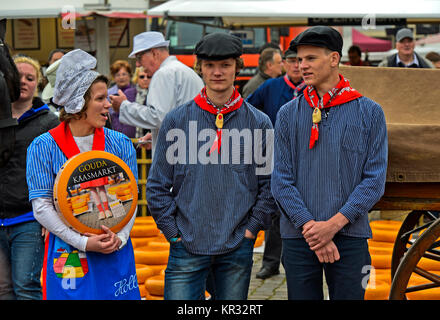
point(84, 192)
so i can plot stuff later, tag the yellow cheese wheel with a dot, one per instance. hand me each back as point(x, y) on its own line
point(144, 219)
point(158, 246)
point(125, 198)
point(155, 285)
point(380, 244)
point(158, 268)
point(150, 257)
point(428, 294)
point(125, 192)
point(149, 296)
point(381, 261)
point(380, 290)
point(78, 204)
point(383, 277)
point(429, 264)
point(143, 241)
point(384, 235)
point(142, 290)
point(80, 210)
point(141, 221)
point(386, 224)
point(89, 172)
point(381, 250)
point(146, 230)
point(143, 272)
point(381, 274)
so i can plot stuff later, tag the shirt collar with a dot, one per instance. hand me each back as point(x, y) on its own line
point(415, 60)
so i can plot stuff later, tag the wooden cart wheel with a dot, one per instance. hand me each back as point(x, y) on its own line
point(405, 261)
point(403, 238)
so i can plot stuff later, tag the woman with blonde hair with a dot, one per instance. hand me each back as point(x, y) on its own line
point(142, 82)
point(21, 240)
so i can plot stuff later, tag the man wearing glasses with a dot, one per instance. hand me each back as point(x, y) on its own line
point(172, 84)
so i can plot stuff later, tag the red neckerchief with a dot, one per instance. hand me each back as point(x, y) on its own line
point(234, 102)
point(340, 94)
point(64, 139)
point(296, 89)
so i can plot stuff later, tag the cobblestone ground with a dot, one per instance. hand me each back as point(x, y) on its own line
point(273, 288)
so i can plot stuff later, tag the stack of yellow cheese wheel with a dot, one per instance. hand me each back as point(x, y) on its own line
point(151, 250)
point(79, 204)
point(381, 247)
point(434, 267)
point(143, 272)
point(381, 251)
point(123, 192)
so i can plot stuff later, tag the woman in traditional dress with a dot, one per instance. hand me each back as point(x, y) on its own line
point(100, 266)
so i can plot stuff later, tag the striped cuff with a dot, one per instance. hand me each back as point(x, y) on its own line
point(301, 218)
point(350, 213)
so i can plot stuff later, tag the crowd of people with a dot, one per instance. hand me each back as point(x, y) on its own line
point(329, 165)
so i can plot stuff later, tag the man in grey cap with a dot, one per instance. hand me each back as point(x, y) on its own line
point(405, 57)
point(172, 84)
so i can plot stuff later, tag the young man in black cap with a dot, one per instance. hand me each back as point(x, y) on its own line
point(208, 196)
point(329, 170)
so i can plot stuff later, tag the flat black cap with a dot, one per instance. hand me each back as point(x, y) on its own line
point(319, 36)
point(219, 46)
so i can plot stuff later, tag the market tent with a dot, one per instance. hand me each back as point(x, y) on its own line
point(369, 43)
point(241, 13)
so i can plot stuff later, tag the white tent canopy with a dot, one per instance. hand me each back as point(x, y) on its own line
point(297, 12)
point(53, 8)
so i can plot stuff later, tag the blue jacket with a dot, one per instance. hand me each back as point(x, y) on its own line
point(344, 172)
point(272, 95)
point(209, 200)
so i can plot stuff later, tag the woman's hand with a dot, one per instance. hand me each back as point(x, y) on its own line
point(106, 242)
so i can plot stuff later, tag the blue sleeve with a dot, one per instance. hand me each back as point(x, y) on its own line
point(372, 187)
point(283, 181)
point(128, 155)
point(39, 175)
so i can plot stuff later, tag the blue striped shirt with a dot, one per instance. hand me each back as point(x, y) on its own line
point(44, 160)
point(209, 205)
point(344, 172)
